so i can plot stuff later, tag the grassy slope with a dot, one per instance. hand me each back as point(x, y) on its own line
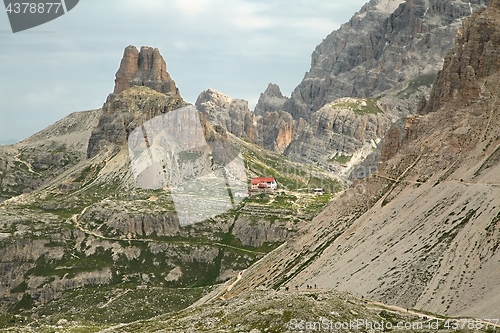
point(48, 216)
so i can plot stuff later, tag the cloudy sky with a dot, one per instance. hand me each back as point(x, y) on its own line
point(234, 46)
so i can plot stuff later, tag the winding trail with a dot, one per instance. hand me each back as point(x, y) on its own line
point(29, 166)
point(452, 321)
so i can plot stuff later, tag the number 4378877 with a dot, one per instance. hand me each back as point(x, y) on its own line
point(33, 8)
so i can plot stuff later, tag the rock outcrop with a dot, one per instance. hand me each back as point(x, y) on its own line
point(346, 129)
point(143, 90)
point(124, 112)
point(277, 129)
point(383, 46)
point(271, 130)
point(475, 56)
point(145, 68)
point(231, 113)
point(271, 100)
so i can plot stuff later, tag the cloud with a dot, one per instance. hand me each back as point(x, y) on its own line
point(235, 46)
point(192, 7)
point(46, 96)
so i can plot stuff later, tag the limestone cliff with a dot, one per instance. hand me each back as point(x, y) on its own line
point(271, 130)
point(271, 100)
point(144, 68)
point(154, 93)
point(383, 46)
point(344, 131)
point(475, 56)
point(231, 113)
point(124, 112)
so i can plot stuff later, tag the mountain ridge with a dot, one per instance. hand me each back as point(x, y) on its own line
point(424, 230)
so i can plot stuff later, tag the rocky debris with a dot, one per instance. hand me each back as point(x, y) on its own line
point(383, 46)
point(123, 112)
point(144, 68)
point(174, 275)
point(423, 231)
point(271, 100)
point(284, 310)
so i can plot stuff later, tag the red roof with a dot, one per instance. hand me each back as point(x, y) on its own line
point(256, 181)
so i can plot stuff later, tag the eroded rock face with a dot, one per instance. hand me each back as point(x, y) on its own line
point(258, 233)
point(271, 100)
point(383, 46)
point(475, 56)
point(402, 239)
point(337, 130)
point(143, 90)
point(231, 113)
point(123, 112)
point(277, 129)
point(271, 130)
point(144, 68)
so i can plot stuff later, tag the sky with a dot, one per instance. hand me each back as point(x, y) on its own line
point(236, 47)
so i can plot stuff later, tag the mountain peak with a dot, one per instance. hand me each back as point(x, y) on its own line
point(144, 68)
point(273, 90)
point(271, 100)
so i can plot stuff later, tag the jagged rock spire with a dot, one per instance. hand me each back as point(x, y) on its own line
point(144, 68)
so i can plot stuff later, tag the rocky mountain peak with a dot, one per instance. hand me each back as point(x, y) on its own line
point(211, 97)
point(232, 114)
point(384, 46)
point(424, 232)
point(144, 68)
point(270, 100)
point(475, 57)
point(273, 90)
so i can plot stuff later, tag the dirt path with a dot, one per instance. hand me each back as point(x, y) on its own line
point(399, 309)
point(452, 321)
point(30, 168)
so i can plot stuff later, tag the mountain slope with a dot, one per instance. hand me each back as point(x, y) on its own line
point(383, 46)
point(36, 161)
point(423, 231)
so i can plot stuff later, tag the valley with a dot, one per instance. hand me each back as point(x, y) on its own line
point(148, 215)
